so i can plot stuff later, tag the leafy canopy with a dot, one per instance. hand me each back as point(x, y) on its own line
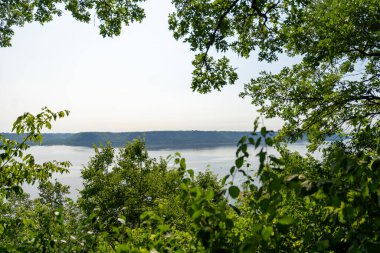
point(16, 167)
point(111, 14)
point(334, 87)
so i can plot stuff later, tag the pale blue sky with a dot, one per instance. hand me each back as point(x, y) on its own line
point(139, 81)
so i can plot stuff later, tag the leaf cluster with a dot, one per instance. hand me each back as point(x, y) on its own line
point(111, 14)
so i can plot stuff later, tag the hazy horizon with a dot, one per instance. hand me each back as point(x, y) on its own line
point(137, 131)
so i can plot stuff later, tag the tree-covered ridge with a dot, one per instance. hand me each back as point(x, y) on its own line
point(153, 139)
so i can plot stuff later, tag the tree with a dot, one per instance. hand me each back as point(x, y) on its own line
point(302, 204)
point(111, 14)
point(334, 90)
point(126, 185)
point(335, 87)
point(128, 196)
point(32, 225)
point(16, 167)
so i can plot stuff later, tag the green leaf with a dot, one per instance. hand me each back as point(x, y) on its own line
point(196, 214)
point(191, 173)
point(244, 149)
point(263, 131)
point(183, 163)
point(262, 155)
point(242, 140)
point(232, 170)
point(267, 232)
point(237, 210)
point(269, 142)
point(286, 220)
point(239, 162)
point(224, 180)
point(258, 141)
point(234, 191)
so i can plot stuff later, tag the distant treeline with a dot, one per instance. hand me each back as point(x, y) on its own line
point(154, 139)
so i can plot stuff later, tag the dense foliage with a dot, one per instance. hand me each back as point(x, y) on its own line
point(335, 85)
point(303, 204)
point(111, 14)
point(128, 198)
point(132, 203)
point(16, 167)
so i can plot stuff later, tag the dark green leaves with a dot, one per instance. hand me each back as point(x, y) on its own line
point(210, 74)
point(234, 191)
point(112, 15)
point(239, 162)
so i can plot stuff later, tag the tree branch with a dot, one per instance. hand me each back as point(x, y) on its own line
point(17, 149)
point(219, 24)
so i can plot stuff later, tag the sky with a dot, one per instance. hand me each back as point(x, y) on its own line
point(139, 81)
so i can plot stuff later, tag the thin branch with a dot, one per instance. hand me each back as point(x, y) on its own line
point(258, 11)
point(363, 52)
point(219, 24)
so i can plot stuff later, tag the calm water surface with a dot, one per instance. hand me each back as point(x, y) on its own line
point(218, 160)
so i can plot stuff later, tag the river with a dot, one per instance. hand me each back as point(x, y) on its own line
point(218, 160)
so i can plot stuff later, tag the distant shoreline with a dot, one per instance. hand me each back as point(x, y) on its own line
point(154, 139)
